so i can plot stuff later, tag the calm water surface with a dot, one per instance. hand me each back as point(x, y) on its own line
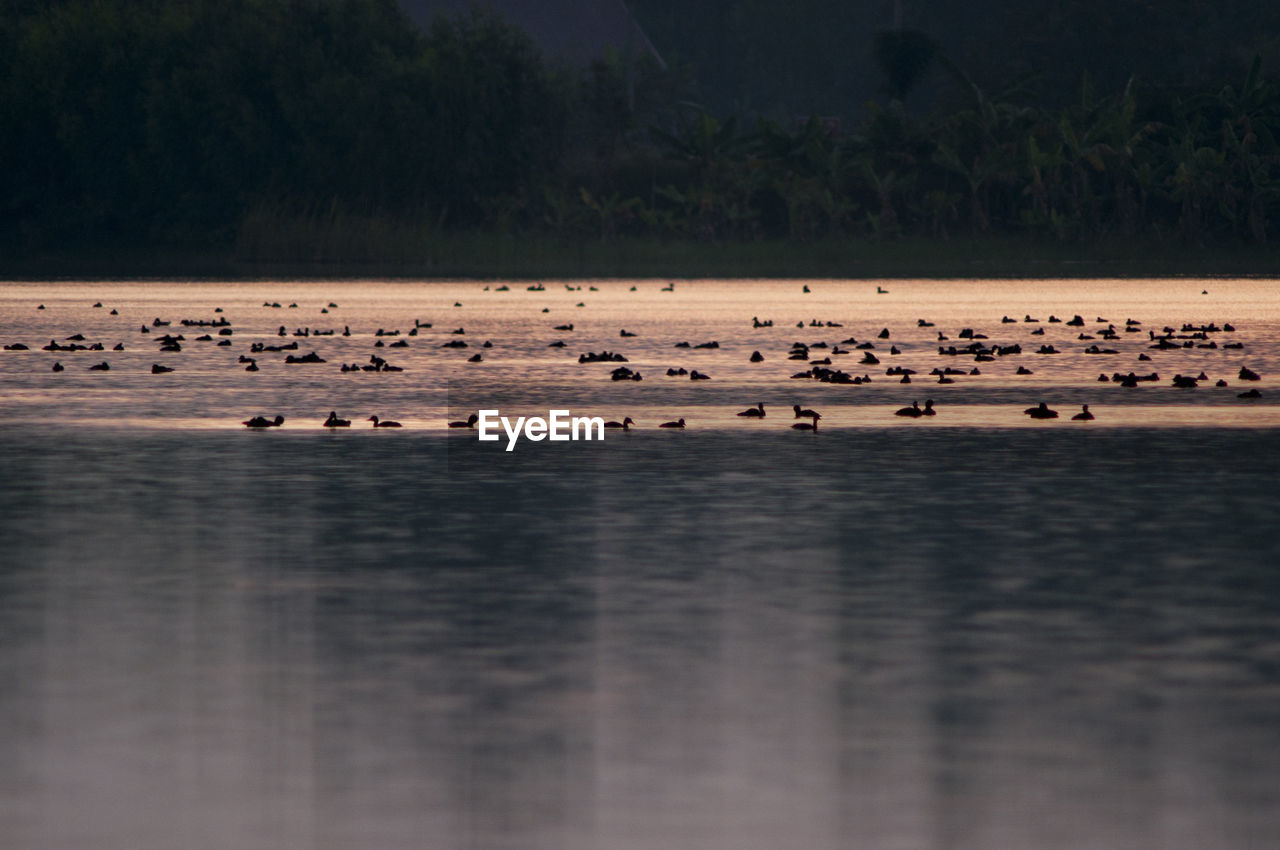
point(972, 632)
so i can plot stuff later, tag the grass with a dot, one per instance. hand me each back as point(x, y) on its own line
point(335, 245)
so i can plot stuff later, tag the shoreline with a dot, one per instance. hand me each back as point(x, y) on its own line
point(481, 256)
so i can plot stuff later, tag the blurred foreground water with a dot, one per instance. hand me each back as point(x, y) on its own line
point(959, 638)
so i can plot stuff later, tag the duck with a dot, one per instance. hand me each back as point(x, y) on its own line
point(1084, 415)
point(912, 411)
point(928, 408)
point(334, 422)
point(757, 411)
point(263, 422)
point(383, 423)
point(1041, 411)
point(679, 423)
point(470, 422)
point(802, 413)
point(625, 424)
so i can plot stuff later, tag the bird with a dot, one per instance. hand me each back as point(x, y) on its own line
point(807, 426)
point(757, 411)
point(679, 423)
point(383, 423)
point(334, 422)
point(912, 411)
point(928, 408)
point(625, 424)
point(263, 422)
point(1041, 412)
point(470, 422)
point(1084, 415)
point(801, 413)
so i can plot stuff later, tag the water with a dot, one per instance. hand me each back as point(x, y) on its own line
point(971, 632)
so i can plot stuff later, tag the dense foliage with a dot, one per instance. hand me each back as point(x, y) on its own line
point(152, 122)
point(170, 120)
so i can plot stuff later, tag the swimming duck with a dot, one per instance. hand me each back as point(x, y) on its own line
point(334, 422)
point(757, 411)
point(1084, 415)
point(679, 423)
point(625, 424)
point(470, 422)
point(928, 408)
point(802, 413)
point(263, 422)
point(1042, 411)
point(912, 411)
point(383, 423)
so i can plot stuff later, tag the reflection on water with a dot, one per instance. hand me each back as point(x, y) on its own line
point(521, 373)
point(884, 637)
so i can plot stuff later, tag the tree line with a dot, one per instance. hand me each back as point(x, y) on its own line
point(151, 122)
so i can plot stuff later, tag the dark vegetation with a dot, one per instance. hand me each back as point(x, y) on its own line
point(335, 131)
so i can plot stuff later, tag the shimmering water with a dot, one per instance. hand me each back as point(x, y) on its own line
point(971, 632)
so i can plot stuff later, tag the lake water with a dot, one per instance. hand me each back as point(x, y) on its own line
point(971, 631)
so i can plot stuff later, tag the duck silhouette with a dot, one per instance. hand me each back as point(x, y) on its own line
point(263, 422)
point(757, 411)
point(625, 424)
point(913, 411)
point(469, 422)
point(679, 423)
point(1041, 411)
point(1084, 415)
point(334, 422)
point(383, 423)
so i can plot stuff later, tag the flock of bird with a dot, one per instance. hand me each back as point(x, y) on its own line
point(817, 357)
